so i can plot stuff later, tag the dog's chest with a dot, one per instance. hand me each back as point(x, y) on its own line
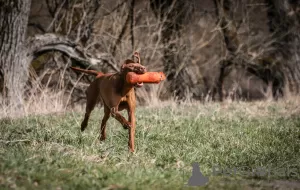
point(124, 99)
point(128, 97)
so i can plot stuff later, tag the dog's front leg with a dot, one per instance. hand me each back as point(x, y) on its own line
point(115, 114)
point(131, 130)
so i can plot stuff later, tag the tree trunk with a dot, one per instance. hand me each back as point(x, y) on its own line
point(224, 11)
point(13, 67)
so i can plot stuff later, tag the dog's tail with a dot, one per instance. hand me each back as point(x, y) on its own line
point(90, 72)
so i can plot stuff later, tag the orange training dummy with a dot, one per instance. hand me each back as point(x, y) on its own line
point(148, 77)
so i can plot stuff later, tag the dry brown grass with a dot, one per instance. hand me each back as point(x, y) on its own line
point(49, 102)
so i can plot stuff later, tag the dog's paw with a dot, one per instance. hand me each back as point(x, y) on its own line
point(127, 125)
point(82, 129)
point(131, 150)
point(102, 138)
point(83, 126)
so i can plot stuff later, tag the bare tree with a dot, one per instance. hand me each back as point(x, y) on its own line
point(229, 31)
point(173, 15)
point(17, 51)
point(284, 24)
point(267, 69)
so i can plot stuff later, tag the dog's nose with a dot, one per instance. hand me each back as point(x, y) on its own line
point(144, 69)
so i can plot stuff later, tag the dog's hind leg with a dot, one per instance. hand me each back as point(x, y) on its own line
point(103, 123)
point(90, 105)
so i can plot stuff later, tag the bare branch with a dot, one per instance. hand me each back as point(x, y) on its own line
point(41, 44)
point(57, 11)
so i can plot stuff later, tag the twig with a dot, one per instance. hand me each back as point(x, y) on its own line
point(56, 15)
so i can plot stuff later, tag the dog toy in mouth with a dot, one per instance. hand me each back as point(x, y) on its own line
point(148, 77)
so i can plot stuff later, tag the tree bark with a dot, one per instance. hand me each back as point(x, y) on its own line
point(13, 67)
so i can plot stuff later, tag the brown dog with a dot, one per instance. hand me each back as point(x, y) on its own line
point(116, 95)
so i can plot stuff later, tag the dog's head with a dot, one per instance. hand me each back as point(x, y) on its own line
point(136, 67)
point(130, 66)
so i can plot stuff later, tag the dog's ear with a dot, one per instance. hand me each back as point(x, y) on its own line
point(123, 67)
point(137, 56)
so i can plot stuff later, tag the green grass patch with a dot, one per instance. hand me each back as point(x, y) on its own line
point(50, 152)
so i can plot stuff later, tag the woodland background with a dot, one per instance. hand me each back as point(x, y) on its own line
point(230, 98)
point(211, 50)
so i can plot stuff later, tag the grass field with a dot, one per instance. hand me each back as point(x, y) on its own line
point(50, 152)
